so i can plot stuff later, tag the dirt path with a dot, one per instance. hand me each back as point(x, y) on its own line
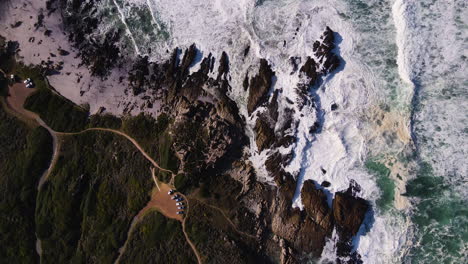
point(197, 254)
point(15, 102)
point(227, 219)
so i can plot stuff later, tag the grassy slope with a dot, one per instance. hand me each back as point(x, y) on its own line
point(84, 211)
point(157, 239)
point(152, 135)
point(56, 111)
point(24, 155)
point(215, 239)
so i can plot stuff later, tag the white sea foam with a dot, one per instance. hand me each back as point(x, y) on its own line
point(269, 30)
point(127, 29)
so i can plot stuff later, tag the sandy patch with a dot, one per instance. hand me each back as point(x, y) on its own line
point(74, 82)
point(162, 202)
point(391, 131)
point(18, 94)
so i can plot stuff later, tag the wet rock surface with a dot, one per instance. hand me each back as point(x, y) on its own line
point(259, 86)
point(315, 204)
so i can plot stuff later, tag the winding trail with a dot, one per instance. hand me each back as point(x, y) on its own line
point(227, 218)
point(15, 104)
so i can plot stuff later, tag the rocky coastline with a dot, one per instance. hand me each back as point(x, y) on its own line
point(210, 141)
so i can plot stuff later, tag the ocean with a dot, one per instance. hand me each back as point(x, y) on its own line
point(400, 127)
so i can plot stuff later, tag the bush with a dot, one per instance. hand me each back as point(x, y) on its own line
point(24, 156)
point(157, 239)
point(105, 121)
point(58, 112)
point(98, 185)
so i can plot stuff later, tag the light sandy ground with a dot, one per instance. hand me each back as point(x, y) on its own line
point(74, 82)
point(162, 202)
point(18, 94)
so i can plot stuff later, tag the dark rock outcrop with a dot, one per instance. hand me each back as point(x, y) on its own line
point(315, 204)
point(264, 134)
point(260, 86)
point(310, 70)
point(349, 212)
point(324, 52)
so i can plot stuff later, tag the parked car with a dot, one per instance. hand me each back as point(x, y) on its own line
point(180, 203)
point(181, 207)
point(180, 212)
point(180, 200)
point(170, 192)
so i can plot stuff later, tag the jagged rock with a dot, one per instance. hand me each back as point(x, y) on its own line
point(286, 253)
point(323, 51)
point(228, 110)
point(311, 238)
point(223, 68)
point(349, 212)
point(314, 128)
point(264, 134)
point(259, 86)
point(246, 51)
point(315, 204)
point(284, 180)
point(189, 56)
point(244, 173)
point(310, 70)
point(295, 63)
point(63, 52)
point(325, 184)
point(273, 106)
point(245, 83)
point(137, 76)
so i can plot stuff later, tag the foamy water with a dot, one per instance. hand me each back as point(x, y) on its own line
point(348, 137)
point(401, 95)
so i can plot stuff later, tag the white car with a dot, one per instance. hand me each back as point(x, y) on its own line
point(180, 212)
point(181, 207)
point(180, 200)
point(170, 192)
point(179, 203)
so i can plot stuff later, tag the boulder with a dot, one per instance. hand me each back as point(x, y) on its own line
point(315, 204)
point(349, 212)
point(264, 134)
point(259, 86)
point(310, 70)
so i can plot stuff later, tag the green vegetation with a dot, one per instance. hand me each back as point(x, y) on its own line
point(98, 185)
point(58, 112)
point(3, 85)
point(181, 182)
point(215, 239)
point(152, 135)
point(8, 64)
point(192, 135)
point(386, 185)
point(24, 155)
point(105, 121)
point(166, 157)
point(157, 239)
point(146, 130)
